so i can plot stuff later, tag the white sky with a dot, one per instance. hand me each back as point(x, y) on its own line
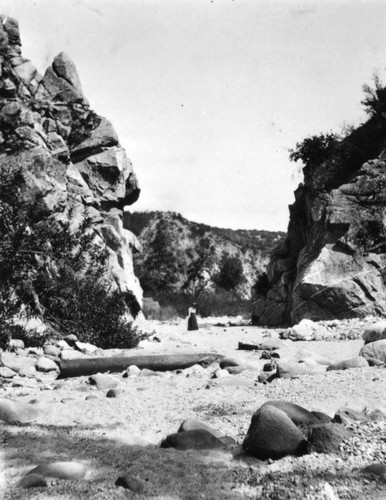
point(208, 96)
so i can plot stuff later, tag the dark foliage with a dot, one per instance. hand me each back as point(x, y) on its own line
point(316, 149)
point(231, 273)
point(55, 273)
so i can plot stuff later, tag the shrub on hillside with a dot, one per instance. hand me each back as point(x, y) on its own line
point(57, 274)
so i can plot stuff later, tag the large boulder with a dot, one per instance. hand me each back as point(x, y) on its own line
point(374, 350)
point(299, 415)
point(272, 434)
point(374, 332)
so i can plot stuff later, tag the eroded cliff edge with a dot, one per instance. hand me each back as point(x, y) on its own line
point(70, 157)
point(332, 264)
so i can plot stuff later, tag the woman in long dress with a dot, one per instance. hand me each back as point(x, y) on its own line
point(192, 320)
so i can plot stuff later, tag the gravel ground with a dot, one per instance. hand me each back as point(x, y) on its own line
point(116, 435)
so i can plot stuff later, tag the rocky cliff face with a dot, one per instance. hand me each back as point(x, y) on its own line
point(69, 156)
point(332, 264)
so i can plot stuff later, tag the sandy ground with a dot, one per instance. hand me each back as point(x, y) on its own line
point(113, 436)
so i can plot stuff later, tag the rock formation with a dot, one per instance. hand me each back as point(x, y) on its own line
point(69, 156)
point(332, 263)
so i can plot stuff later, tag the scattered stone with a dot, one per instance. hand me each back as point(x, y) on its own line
point(377, 469)
point(374, 332)
point(270, 367)
point(131, 483)
point(291, 369)
point(195, 439)
point(377, 416)
point(308, 330)
point(62, 344)
point(67, 400)
point(68, 354)
point(91, 397)
point(61, 470)
point(375, 350)
point(326, 438)
point(191, 424)
point(51, 350)
point(103, 381)
point(220, 373)
point(6, 372)
point(272, 434)
point(46, 365)
point(16, 344)
point(85, 347)
point(132, 371)
point(348, 415)
point(16, 411)
point(71, 339)
point(33, 481)
point(357, 362)
point(113, 393)
point(16, 362)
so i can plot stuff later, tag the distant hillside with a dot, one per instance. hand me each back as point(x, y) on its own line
point(179, 255)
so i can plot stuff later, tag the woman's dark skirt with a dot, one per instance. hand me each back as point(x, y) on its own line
point(192, 322)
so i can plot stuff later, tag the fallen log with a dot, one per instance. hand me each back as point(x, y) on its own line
point(163, 362)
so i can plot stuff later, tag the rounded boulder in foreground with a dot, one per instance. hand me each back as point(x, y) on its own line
point(272, 434)
point(195, 439)
point(298, 414)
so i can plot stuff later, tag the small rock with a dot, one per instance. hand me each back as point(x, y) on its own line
point(269, 367)
point(16, 411)
point(191, 424)
point(33, 481)
point(291, 369)
point(91, 397)
point(113, 393)
point(16, 344)
point(132, 371)
point(69, 354)
point(71, 339)
point(85, 347)
point(356, 362)
point(6, 372)
point(46, 365)
point(27, 371)
point(326, 438)
point(131, 483)
point(103, 381)
point(51, 350)
point(374, 332)
point(348, 415)
point(195, 439)
point(220, 373)
point(67, 400)
point(377, 469)
point(61, 470)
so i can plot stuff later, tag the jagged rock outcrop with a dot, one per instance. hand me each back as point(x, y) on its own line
point(68, 155)
point(332, 264)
